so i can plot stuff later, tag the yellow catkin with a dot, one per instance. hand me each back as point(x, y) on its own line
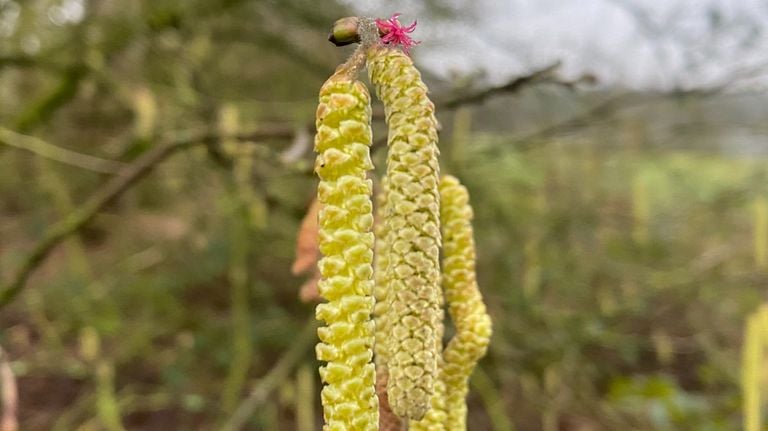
point(753, 377)
point(388, 421)
point(437, 417)
point(413, 222)
point(380, 277)
point(465, 303)
point(346, 242)
point(761, 232)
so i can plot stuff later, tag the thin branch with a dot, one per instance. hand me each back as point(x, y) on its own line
point(276, 376)
point(42, 109)
point(109, 192)
point(609, 107)
point(545, 75)
point(59, 154)
point(602, 109)
point(26, 61)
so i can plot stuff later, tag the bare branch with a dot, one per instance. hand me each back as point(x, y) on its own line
point(26, 61)
point(112, 190)
point(59, 154)
point(545, 75)
point(608, 107)
point(42, 109)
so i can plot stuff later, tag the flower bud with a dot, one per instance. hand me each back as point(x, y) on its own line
point(344, 31)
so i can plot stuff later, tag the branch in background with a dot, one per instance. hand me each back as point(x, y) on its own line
point(607, 108)
point(276, 376)
point(601, 110)
point(135, 171)
point(59, 154)
point(112, 190)
point(27, 61)
point(132, 173)
point(116, 41)
point(43, 109)
point(9, 396)
point(544, 75)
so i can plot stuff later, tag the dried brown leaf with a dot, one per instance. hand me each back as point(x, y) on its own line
point(309, 291)
point(307, 248)
point(9, 396)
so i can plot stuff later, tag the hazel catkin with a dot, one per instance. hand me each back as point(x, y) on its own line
point(413, 222)
point(346, 242)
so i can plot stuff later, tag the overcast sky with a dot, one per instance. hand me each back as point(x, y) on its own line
point(659, 44)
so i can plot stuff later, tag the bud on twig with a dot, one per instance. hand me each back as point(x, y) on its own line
point(347, 30)
point(344, 31)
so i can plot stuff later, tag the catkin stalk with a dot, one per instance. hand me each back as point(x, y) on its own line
point(346, 242)
point(413, 223)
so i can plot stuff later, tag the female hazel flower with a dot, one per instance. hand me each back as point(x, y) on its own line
point(395, 33)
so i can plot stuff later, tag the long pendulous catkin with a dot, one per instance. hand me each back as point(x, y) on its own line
point(346, 242)
point(465, 303)
point(413, 222)
point(388, 421)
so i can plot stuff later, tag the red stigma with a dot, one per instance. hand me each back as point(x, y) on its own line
point(395, 33)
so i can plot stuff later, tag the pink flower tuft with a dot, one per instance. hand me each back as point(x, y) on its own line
point(395, 33)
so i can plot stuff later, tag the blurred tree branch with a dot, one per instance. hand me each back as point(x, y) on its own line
point(59, 154)
point(117, 39)
point(113, 189)
point(276, 376)
point(607, 108)
point(132, 173)
point(545, 75)
point(42, 109)
point(28, 61)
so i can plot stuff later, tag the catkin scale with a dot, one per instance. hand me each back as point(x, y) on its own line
point(414, 315)
point(342, 144)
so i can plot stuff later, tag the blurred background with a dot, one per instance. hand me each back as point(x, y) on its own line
point(156, 164)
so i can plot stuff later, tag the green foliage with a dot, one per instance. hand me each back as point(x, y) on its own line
point(599, 325)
